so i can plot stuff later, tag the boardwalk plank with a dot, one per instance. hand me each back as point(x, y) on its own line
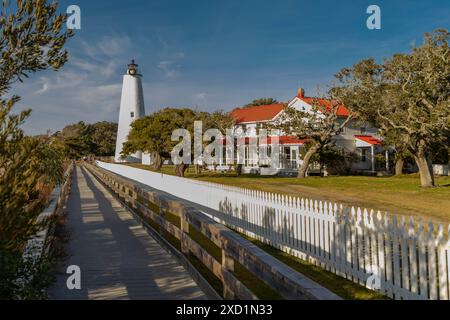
point(117, 257)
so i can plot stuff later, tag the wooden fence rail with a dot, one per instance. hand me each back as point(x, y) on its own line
point(403, 258)
point(284, 280)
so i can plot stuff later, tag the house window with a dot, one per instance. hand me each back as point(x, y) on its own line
point(132, 114)
point(364, 155)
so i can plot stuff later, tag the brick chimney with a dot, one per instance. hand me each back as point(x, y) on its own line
point(301, 93)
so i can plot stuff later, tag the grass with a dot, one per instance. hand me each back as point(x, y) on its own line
point(260, 289)
point(397, 195)
point(340, 286)
point(344, 288)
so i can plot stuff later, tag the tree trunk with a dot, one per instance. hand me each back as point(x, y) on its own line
point(399, 166)
point(157, 161)
point(239, 170)
point(180, 169)
point(304, 168)
point(425, 171)
point(198, 169)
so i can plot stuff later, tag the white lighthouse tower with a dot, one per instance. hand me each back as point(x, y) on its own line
point(131, 108)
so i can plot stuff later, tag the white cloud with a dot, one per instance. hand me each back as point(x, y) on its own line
point(105, 69)
point(88, 87)
point(111, 46)
point(168, 67)
point(200, 96)
point(61, 80)
point(45, 86)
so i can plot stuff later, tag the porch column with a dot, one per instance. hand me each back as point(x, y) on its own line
point(373, 157)
point(281, 148)
point(387, 160)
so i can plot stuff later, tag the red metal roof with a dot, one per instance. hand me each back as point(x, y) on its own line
point(269, 112)
point(369, 139)
point(327, 104)
point(281, 140)
point(257, 113)
point(287, 140)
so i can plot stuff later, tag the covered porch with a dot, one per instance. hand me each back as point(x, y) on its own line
point(289, 157)
point(368, 147)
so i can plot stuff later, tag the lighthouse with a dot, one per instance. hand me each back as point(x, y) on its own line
point(131, 108)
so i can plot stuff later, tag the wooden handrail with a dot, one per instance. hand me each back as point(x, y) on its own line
point(287, 282)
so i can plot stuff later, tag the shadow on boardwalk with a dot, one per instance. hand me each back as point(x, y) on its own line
point(117, 257)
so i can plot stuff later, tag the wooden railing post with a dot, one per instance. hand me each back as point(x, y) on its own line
point(184, 224)
point(135, 198)
point(227, 264)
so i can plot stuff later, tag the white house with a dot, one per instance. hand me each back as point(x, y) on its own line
point(356, 137)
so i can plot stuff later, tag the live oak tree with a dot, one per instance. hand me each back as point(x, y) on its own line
point(318, 126)
point(406, 96)
point(31, 39)
point(81, 139)
point(75, 140)
point(261, 102)
point(103, 135)
point(219, 120)
point(153, 133)
point(391, 138)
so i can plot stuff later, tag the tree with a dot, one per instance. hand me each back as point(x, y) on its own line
point(220, 120)
point(31, 40)
point(406, 96)
point(336, 160)
point(391, 138)
point(153, 133)
point(81, 139)
point(261, 102)
point(75, 140)
point(103, 137)
point(318, 125)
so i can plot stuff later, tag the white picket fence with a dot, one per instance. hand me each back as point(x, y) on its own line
point(404, 259)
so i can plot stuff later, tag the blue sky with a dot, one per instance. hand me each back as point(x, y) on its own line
point(211, 54)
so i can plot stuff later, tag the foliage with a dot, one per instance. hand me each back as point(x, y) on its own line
point(261, 102)
point(336, 161)
point(33, 275)
point(153, 133)
point(28, 165)
point(407, 97)
point(83, 139)
point(218, 120)
point(32, 39)
point(318, 125)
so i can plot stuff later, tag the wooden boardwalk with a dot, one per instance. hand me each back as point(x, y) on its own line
point(117, 257)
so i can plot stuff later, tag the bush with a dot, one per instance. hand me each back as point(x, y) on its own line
point(337, 161)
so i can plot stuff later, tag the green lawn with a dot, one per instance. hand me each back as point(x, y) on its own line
point(344, 288)
point(398, 195)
